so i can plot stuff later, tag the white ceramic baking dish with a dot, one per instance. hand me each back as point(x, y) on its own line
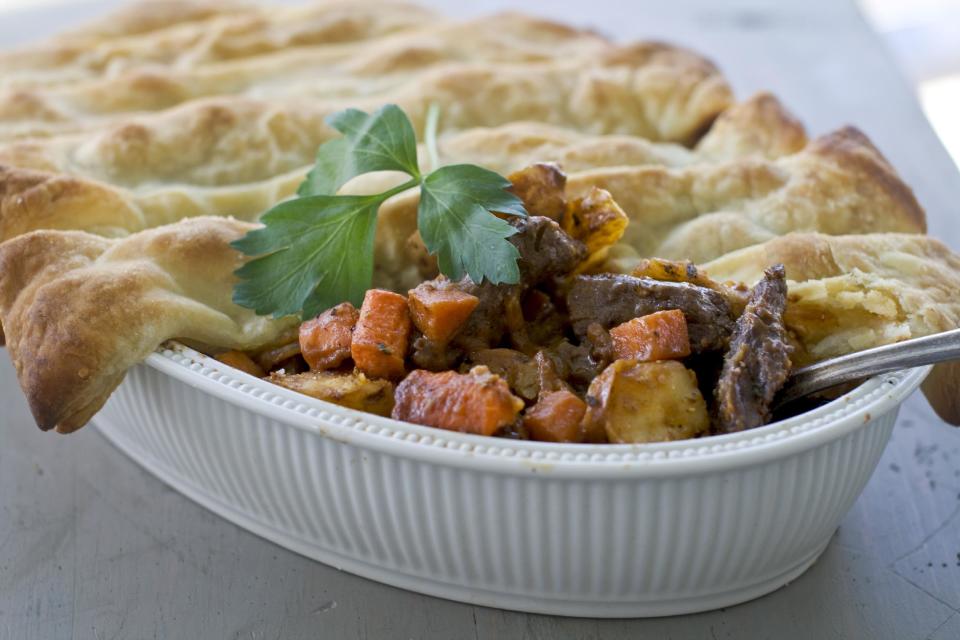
point(581, 530)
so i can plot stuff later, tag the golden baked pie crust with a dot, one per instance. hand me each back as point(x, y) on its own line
point(126, 147)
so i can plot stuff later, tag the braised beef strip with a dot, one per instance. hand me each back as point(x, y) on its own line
point(611, 299)
point(758, 361)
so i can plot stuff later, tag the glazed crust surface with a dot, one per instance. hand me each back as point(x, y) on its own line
point(79, 310)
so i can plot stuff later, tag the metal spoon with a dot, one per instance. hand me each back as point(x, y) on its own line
point(917, 352)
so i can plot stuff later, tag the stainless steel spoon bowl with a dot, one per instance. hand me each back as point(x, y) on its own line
point(917, 352)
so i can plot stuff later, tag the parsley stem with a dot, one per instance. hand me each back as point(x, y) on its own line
point(400, 188)
point(430, 135)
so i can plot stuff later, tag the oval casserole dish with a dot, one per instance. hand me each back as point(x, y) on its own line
point(576, 530)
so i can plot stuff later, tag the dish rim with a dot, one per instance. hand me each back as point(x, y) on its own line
point(810, 429)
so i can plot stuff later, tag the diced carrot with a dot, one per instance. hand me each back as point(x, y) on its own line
point(438, 311)
point(657, 336)
point(240, 360)
point(325, 340)
point(556, 417)
point(475, 402)
point(382, 335)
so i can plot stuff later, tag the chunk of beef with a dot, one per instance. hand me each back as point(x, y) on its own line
point(548, 379)
point(574, 364)
point(487, 325)
point(611, 299)
point(758, 361)
point(545, 250)
point(545, 323)
point(600, 343)
point(519, 370)
point(433, 356)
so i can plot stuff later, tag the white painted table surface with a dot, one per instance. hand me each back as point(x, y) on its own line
point(91, 546)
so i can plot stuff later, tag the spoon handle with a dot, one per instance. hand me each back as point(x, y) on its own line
point(939, 347)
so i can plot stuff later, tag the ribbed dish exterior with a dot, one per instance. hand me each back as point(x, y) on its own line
point(564, 529)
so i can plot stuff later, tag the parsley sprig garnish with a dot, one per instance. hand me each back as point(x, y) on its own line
point(316, 250)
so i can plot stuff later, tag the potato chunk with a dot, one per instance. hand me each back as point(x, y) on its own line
point(673, 271)
point(353, 390)
point(646, 402)
point(597, 221)
point(541, 187)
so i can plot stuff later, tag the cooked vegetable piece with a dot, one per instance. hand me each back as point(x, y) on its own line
point(476, 402)
point(597, 221)
point(518, 369)
point(758, 361)
point(382, 334)
point(243, 362)
point(655, 336)
point(325, 341)
point(439, 311)
point(353, 390)
point(271, 358)
point(611, 299)
point(556, 417)
point(646, 402)
point(685, 271)
point(541, 187)
point(673, 271)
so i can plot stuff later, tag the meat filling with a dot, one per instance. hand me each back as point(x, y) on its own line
point(758, 361)
point(611, 299)
point(546, 252)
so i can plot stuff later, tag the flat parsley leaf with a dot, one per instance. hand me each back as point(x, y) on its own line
point(380, 141)
point(316, 253)
point(455, 222)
